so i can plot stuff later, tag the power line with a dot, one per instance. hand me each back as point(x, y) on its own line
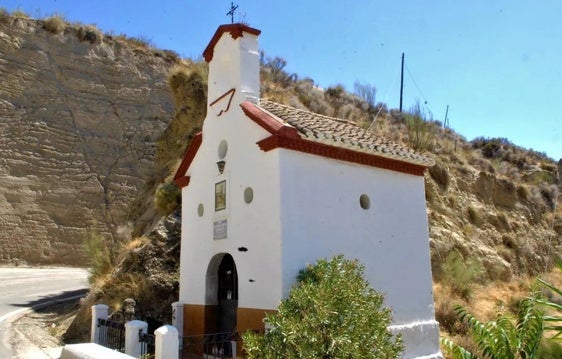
point(425, 101)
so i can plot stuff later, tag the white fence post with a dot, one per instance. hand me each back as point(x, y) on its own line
point(177, 317)
point(166, 343)
point(99, 311)
point(133, 346)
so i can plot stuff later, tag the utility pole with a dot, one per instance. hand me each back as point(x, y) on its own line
point(402, 82)
point(231, 12)
point(446, 121)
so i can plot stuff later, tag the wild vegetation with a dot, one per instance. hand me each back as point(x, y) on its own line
point(331, 312)
point(530, 329)
point(494, 208)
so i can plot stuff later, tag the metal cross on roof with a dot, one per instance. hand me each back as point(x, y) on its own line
point(231, 11)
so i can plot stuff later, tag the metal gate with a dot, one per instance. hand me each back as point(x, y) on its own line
point(112, 334)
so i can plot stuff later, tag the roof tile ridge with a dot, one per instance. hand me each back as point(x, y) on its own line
point(315, 114)
point(274, 116)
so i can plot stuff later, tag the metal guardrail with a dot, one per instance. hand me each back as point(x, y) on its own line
point(112, 334)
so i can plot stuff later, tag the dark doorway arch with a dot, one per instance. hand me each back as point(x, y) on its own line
point(227, 295)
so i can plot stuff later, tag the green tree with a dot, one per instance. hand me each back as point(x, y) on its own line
point(505, 337)
point(332, 312)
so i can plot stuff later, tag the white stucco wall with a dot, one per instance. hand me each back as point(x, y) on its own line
point(255, 226)
point(321, 217)
point(305, 207)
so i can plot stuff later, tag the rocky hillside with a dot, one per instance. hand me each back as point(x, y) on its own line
point(80, 113)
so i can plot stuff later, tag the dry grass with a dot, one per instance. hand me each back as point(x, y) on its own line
point(19, 14)
point(89, 33)
point(55, 24)
point(486, 301)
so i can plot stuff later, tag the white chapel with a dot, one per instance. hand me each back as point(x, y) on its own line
point(268, 189)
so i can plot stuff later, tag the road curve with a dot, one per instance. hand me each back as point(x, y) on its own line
point(24, 288)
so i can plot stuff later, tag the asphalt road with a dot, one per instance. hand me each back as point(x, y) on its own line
point(24, 288)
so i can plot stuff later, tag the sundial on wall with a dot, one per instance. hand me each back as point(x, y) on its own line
point(222, 103)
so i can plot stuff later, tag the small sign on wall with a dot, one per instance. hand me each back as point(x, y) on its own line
point(219, 229)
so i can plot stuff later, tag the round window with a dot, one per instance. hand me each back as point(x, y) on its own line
point(200, 210)
point(365, 201)
point(223, 149)
point(248, 195)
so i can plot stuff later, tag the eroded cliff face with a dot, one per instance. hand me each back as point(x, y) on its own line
point(78, 126)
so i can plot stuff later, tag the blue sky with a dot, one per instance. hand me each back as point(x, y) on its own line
point(496, 63)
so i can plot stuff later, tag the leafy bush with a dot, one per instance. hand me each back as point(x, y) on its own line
point(99, 254)
point(460, 274)
point(167, 198)
point(55, 24)
point(330, 313)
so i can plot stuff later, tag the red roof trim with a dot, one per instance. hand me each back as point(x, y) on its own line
point(235, 30)
point(268, 122)
point(180, 179)
point(287, 137)
point(337, 153)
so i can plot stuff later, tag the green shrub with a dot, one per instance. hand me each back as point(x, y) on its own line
point(167, 198)
point(461, 274)
point(504, 337)
point(330, 313)
point(54, 24)
point(100, 259)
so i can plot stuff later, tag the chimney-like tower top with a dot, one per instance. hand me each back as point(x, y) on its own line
point(234, 65)
point(235, 30)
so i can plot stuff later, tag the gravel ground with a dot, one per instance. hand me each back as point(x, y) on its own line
point(37, 335)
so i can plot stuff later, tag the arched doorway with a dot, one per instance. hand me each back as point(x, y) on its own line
point(221, 294)
point(227, 295)
point(221, 300)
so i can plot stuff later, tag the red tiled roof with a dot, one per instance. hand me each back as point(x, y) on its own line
point(340, 133)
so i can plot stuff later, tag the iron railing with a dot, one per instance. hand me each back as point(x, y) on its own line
point(209, 346)
point(112, 334)
point(147, 344)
